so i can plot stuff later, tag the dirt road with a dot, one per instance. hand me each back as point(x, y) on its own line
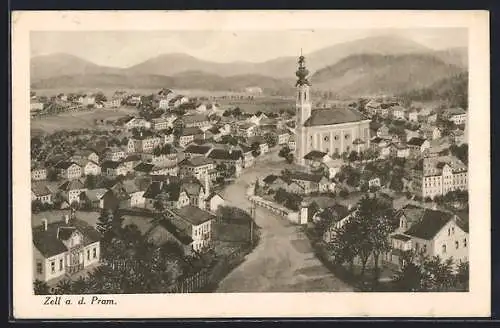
point(283, 261)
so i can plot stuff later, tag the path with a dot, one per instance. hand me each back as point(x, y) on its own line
point(283, 261)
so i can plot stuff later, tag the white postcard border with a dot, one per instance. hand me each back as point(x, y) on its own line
point(474, 303)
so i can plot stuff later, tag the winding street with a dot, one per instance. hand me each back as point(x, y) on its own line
point(283, 261)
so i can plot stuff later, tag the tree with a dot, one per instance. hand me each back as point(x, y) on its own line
point(353, 156)
point(36, 206)
point(463, 274)
point(271, 139)
point(90, 181)
point(63, 287)
point(41, 287)
point(289, 158)
point(284, 151)
point(100, 97)
point(104, 225)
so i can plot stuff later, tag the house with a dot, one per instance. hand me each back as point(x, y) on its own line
point(292, 143)
point(144, 142)
point(436, 176)
point(418, 146)
point(432, 118)
point(114, 154)
point(71, 190)
point(227, 156)
point(402, 150)
point(332, 167)
point(283, 136)
point(90, 167)
point(137, 123)
point(194, 222)
point(413, 116)
point(430, 132)
point(93, 198)
point(161, 123)
point(315, 157)
point(165, 169)
point(40, 191)
point(177, 101)
point(335, 216)
point(398, 112)
point(194, 150)
point(114, 169)
point(246, 130)
point(378, 143)
point(143, 169)
point(85, 154)
point(86, 100)
point(35, 105)
point(430, 233)
point(248, 159)
point(188, 135)
point(312, 182)
point(458, 137)
point(64, 248)
point(174, 192)
point(213, 202)
point(374, 182)
point(410, 134)
point(131, 161)
point(38, 173)
point(68, 170)
point(383, 132)
point(134, 190)
point(455, 115)
point(198, 167)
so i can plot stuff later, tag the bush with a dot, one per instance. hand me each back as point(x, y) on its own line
point(343, 193)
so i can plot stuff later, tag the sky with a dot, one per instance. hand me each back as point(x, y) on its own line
point(127, 48)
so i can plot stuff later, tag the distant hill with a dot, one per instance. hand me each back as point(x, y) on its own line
point(372, 74)
point(453, 90)
point(186, 80)
point(282, 67)
point(47, 66)
point(455, 56)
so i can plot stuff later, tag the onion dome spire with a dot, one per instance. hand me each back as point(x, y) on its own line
point(302, 71)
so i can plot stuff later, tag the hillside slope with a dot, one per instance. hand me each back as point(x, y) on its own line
point(371, 74)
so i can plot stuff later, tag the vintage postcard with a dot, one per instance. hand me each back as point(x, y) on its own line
point(250, 164)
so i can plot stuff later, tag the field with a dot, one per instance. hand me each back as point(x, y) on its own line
point(263, 104)
point(77, 120)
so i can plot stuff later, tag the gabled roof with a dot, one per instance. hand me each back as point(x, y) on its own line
point(431, 223)
point(196, 161)
point(132, 158)
point(224, 154)
point(144, 167)
point(197, 149)
point(194, 118)
point(192, 214)
point(40, 189)
point(48, 243)
point(191, 131)
point(315, 155)
point(64, 165)
point(72, 185)
point(95, 194)
point(416, 142)
point(212, 195)
point(333, 116)
point(110, 164)
point(303, 176)
point(400, 237)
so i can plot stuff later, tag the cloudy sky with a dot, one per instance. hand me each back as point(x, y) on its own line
point(123, 48)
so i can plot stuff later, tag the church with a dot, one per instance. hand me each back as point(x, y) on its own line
point(332, 131)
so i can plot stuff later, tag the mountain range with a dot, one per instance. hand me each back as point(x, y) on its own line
point(377, 64)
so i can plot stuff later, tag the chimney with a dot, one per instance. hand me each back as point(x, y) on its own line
point(44, 221)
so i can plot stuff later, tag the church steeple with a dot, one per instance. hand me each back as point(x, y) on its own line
point(302, 72)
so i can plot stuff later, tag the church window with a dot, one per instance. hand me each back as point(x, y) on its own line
point(326, 138)
point(336, 137)
point(347, 136)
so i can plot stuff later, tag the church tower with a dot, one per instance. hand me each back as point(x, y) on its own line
point(303, 110)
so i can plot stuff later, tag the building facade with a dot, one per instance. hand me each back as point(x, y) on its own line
point(332, 131)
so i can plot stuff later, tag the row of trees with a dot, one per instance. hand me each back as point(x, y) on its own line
point(423, 273)
point(364, 235)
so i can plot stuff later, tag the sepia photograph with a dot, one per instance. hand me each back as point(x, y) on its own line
point(219, 159)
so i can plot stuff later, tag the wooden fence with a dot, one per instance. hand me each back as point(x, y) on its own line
point(208, 278)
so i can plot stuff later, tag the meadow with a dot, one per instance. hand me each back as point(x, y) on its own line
point(78, 120)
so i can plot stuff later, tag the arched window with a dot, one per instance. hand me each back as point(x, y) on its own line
point(456, 244)
point(443, 249)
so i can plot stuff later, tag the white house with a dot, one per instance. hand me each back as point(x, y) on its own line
point(64, 248)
